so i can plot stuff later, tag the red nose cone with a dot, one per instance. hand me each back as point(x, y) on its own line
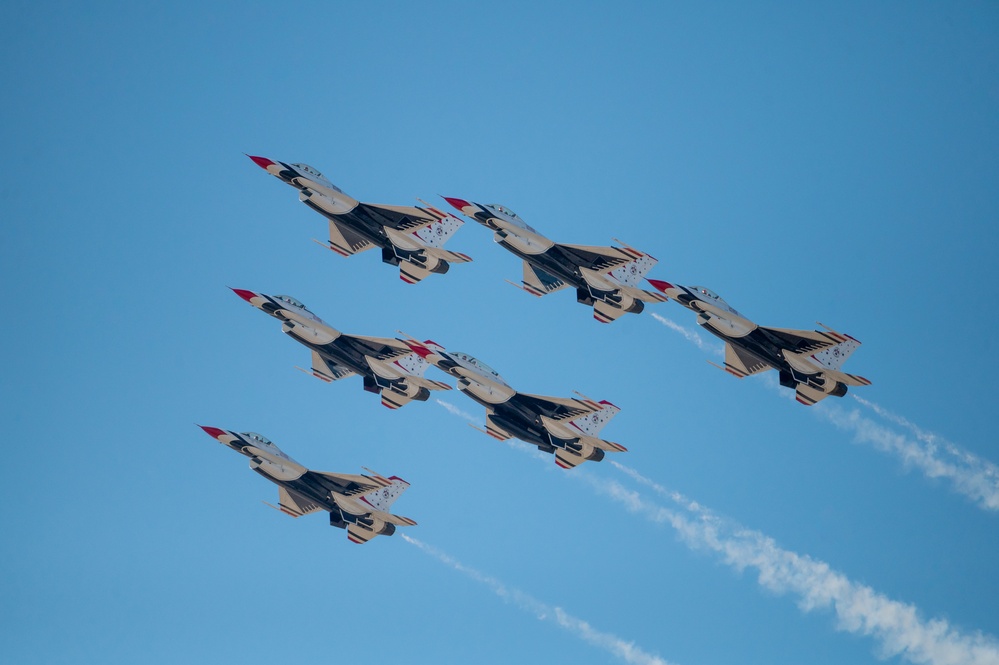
point(459, 204)
point(244, 294)
point(262, 162)
point(213, 432)
point(661, 285)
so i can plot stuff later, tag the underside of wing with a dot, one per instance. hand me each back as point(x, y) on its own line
point(557, 408)
point(801, 341)
point(327, 370)
point(381, 348)
point(346, 242)
point(598, 258)
point(399, 217)
point(294, 504)
point(348, 484)
point(808, 396)
point(537, 282)
point(742, 363)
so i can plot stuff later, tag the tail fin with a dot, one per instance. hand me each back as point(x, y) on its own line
point(834, 356)
point(590, 424)
point(382, 498)
point(437, 232)
point(632, 273)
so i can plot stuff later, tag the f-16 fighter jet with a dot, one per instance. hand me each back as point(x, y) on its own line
point(358, 504)
point(567, 427)
point(388, 366)
point(606, 277)
point(808, 360)
point(410, 237)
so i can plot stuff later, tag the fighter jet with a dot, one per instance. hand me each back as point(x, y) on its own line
point(808, 360)
point(388, 366)
point(410, 237)
point(606, 277)
point(567, 427)
point(358, 504)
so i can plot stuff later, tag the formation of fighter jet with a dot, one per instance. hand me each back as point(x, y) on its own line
point(567, 427)
point(808, 360)
point(388, 366)
point(358, 503)
point(410, 237)
point(606, 277)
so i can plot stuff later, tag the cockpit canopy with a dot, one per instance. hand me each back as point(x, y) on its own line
point(308, 170)
point(256, 439)
point(479, 365)
point(305, 168)
point(503, 211)
point(710, 296)
point(294, 302)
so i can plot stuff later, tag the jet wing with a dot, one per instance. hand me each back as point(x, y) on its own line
point(345, 242)
point(742, 363)
point(801, 341)
point(598, 258)
point(538, 283)
point(381, 348)
point(399, 217)
point(348, 484)
point(557, 408)
point(292, 503)
point(327, 370)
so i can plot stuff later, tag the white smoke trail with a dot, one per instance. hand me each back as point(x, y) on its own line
point(690, 335)
point(626, 651)
point(969, 474)
point(897, 626)
point(455, 411)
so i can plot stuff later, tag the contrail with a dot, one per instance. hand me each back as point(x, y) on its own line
point(626, 651)
point(969, 474)
point(690, 335)
point(859, 609)
point(936, 457)
point(455, 411)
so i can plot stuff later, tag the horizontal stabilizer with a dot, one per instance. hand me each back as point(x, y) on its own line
point(566, 459)
point(447, 255)
point(411, 273)
point(605, 312)
point(808, 396)
point(600, 444)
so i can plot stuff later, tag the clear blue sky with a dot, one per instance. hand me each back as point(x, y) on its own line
point(833, 163)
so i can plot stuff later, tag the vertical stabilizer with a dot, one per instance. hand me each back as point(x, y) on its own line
point(382, 498)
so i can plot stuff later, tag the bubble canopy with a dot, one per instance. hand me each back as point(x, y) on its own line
point(256, 439)
point(474, 362)
point(708, 295)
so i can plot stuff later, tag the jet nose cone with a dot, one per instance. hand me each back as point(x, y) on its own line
point(248, 296)
point(262, 162)
point(213, 432)
point(460, 204)
point(660, 285)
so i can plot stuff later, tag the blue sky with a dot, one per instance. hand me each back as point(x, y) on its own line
point(836, 163)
